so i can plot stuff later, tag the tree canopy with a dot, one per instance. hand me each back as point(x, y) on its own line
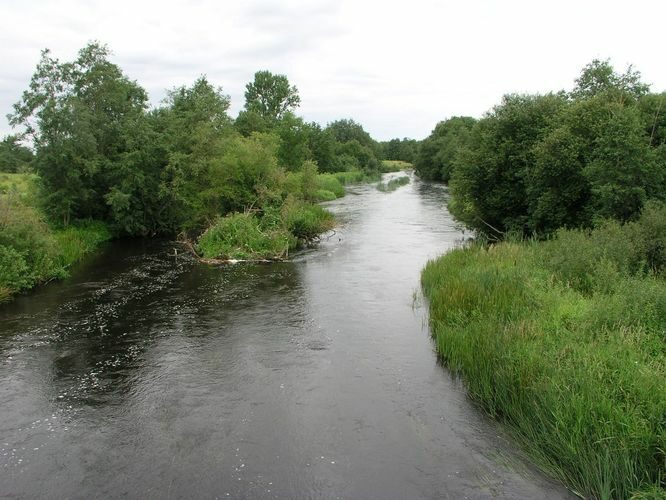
point(270, 96)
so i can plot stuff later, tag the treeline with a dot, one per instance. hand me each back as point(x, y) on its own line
point(101, 154)
point(237, 188)
point(536, 163)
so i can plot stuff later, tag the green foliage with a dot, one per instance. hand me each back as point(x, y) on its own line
point(538, 163)
point(395, 166)
point(599, 77)
point(355, 149)
point(77, 241)
point(306, 221)
point(330, 183)
point(14, 158)
point(404, 150)
point(488, 184)
point(270, 96)
point(564, 342)
point(31, 253)
point(353, 177)
point(436, 155)
point(79, 114)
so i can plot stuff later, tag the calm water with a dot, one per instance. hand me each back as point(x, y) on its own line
point(151, 376)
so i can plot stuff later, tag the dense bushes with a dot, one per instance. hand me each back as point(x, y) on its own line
point(536, 163)
point(564, 341)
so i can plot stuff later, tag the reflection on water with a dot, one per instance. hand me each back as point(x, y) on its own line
point(151, 375)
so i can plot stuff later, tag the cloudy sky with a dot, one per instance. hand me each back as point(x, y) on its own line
point(395, 67)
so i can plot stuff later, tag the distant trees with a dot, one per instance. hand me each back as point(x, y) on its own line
point(14, 157)
point(536, 163)
point(400, 149)
point(101, 154)
point(434, 159)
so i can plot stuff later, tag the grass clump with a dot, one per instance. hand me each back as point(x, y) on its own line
point(241, 236)
point(357, 176)
point(565, 342)
point(306, 221)
point(330, 183)
point(17, 184)
point(78, 240)
point(393, 184)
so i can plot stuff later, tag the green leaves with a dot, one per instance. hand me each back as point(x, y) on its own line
point(271, 96)
point(537, 163)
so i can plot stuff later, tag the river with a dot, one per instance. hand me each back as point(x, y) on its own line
point(149, 375)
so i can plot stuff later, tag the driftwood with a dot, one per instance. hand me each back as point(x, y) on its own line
point(189, 246)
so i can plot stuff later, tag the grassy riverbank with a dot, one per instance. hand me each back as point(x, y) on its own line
point(565, 342)
point(31, 252)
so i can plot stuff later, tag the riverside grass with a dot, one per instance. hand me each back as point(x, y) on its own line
point(566, 344)
point(31, 252)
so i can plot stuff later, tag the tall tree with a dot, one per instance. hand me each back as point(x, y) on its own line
point(79, 114)
point(271, 96)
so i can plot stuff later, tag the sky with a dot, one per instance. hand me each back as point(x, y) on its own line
point(395, 67)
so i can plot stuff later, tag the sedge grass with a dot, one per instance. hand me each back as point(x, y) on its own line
point(579, 374)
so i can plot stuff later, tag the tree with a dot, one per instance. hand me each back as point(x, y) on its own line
point(79, 115)
point(437, 153)
point(600, 76)
point(489, 182)
point(354, 146)
point(271, 96)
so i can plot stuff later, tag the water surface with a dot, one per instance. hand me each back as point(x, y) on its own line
point(149, 375)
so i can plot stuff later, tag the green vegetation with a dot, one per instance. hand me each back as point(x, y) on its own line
point(393, 184)
point(536, 163)
point(20, 185)
point(405, 150)
point(562, 336)
point(564, 341)
point(395, 166)
point(103, 163)
point(32, 253)
point(14, 157)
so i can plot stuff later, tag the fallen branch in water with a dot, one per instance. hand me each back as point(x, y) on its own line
point(190, 246)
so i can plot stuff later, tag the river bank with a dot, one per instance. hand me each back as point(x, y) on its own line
point(564, 342)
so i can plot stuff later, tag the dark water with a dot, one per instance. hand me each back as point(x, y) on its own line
point(150, 376)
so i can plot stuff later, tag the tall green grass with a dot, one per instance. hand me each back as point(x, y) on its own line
point(356, 176)
point(32, 253)
point(565, 341)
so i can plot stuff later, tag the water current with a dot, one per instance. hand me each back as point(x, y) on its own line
point(150, 375)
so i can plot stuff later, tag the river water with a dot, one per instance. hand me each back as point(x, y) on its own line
point(149, 375)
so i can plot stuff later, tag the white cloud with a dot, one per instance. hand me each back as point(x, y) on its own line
point(396, 67)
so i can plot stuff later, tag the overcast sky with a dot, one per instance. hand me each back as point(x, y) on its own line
point(395, 67)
